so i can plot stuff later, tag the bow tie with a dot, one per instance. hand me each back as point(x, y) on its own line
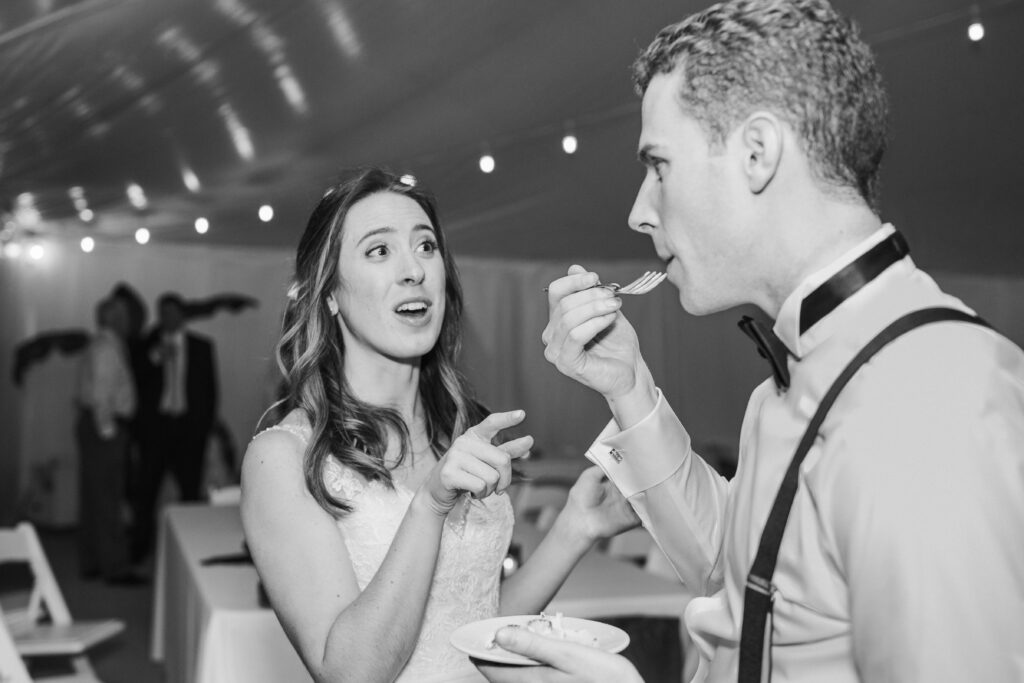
point(770, 347)
point(824, 300)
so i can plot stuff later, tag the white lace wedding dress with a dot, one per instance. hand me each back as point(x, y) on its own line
point(466, 578)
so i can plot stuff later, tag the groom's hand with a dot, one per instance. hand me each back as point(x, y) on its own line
point(589, 340)
point(562, 662)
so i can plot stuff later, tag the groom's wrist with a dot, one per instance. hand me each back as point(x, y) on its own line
point(637, 403)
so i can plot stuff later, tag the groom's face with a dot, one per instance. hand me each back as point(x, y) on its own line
point(687, 203)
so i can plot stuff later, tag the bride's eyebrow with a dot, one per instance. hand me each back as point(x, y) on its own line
point(376, 231)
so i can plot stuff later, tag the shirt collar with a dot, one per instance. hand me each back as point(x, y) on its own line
point(787, 325)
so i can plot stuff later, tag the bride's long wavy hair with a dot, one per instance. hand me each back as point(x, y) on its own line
point(311, 353)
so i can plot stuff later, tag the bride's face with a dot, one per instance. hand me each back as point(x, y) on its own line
point(391, 292)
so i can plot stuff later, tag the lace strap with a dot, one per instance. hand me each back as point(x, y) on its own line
point(302, 433)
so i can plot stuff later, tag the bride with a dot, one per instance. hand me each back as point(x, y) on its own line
point(375, 510)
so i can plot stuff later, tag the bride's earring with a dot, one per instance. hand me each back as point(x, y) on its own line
point(332, 306)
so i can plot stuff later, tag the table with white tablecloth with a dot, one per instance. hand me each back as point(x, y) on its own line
point(208, 625)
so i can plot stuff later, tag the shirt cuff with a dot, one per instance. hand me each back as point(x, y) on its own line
point(644, 455)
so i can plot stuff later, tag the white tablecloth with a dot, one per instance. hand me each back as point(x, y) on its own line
point(209, 628)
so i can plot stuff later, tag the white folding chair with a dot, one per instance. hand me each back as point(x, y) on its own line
point(44, 627)
point(540, 503)
point(12, 668)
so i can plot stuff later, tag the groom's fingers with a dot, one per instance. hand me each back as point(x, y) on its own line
point(559, 654)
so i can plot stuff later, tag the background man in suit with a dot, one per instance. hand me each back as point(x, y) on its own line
point(179, 406)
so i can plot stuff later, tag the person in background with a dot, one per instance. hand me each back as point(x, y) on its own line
point(106, 402)
point(178, 412)
point(763, 127)
point(373, 510)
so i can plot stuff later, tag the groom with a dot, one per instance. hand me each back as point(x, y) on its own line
point(763, 126)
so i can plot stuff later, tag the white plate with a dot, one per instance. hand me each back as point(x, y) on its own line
point(473, 638)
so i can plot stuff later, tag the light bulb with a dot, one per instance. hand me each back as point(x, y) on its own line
point(570, 144)
point(137, 196)
point(191, 180)
point(36, 252)
point(976, 31)
point(266, 213)
point(88, 244)
point(487, 163)
point(202, 225)
point(142, 235)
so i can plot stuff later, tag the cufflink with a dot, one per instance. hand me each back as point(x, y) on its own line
point(616, 454)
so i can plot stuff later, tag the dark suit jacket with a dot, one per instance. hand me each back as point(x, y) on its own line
point(200, 382)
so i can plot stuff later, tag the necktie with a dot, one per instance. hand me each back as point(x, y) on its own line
point(174, 393)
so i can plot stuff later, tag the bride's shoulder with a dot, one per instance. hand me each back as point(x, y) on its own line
point(290, 436)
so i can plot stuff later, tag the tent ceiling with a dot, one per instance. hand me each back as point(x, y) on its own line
point(267, 101)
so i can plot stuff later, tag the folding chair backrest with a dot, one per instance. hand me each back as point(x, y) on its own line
point(21, 544)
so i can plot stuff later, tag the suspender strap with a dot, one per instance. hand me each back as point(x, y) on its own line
point(755, 636)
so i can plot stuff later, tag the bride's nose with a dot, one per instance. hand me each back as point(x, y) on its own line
point(412, 272)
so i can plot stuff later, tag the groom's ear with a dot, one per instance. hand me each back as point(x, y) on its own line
point(762, 143)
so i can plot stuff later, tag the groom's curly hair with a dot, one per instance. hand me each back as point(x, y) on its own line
point(798, 58)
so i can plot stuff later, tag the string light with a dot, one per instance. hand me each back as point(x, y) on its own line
point(136, 196)
point(202, 225)
point(487, 161)
point(266, 213)
point(86, 215)
point(12, 250)
point(569, 142)
point(88, 244)
point(142, 235)
point(191, 180)
point(976, 30)
point(36, 252)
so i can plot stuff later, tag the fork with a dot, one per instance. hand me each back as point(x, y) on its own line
point(641, 285)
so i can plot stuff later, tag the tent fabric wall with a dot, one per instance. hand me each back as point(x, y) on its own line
point(704, 365)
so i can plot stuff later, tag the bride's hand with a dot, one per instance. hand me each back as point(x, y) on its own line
point(474, 464)
point(596, 507)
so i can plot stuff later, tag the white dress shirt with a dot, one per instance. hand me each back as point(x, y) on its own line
point(173, 357)
point(105, 384)
point(903, 557)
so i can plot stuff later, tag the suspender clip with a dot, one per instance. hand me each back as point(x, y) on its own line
point(762, 586)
